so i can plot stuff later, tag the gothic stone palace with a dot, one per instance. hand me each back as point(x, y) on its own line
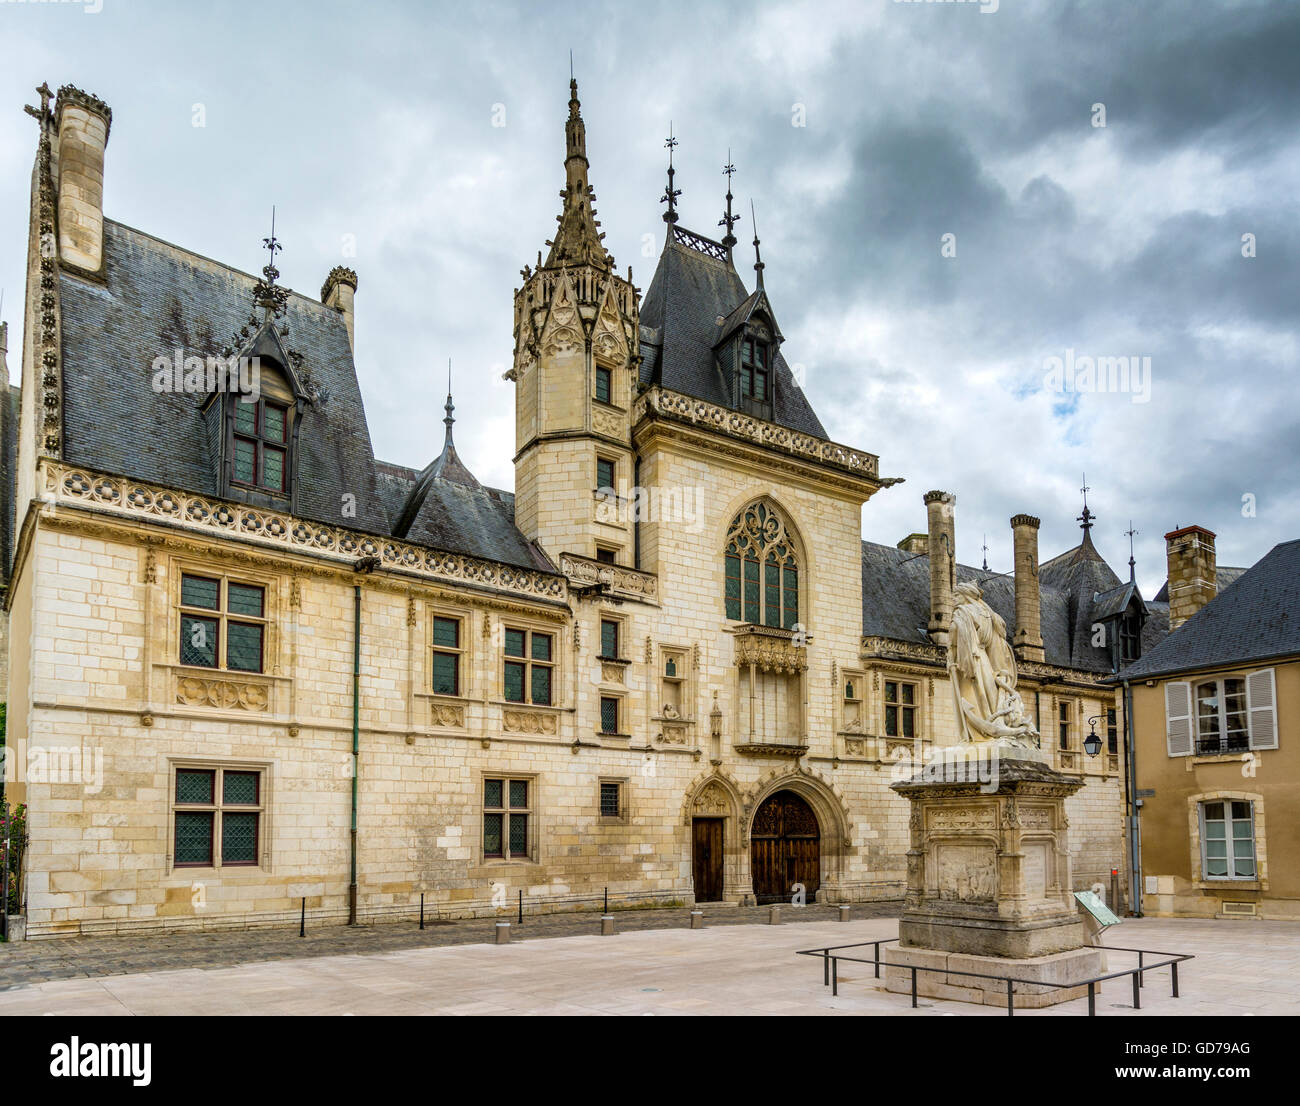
point(250, 663)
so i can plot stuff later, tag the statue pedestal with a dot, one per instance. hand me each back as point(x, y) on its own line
point(988, 881)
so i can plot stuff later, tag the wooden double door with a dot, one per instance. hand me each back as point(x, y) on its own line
point(785, 849)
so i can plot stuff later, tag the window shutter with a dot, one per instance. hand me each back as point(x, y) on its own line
point(1261, 709)
point(1178, 719)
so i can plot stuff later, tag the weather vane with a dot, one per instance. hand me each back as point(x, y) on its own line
point(670, 194)
point(729, 220)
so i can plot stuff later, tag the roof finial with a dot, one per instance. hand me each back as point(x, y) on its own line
point(986, 552)
point(1086, 519)
point(670, 194)
point(728, 220)
point(266, 293)
point(449, 407)
point(1132, 564)
point(758, 258)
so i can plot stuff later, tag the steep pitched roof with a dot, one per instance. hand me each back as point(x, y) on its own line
point(692, 289)
point(1256, 619)
point(159, 299)
point(896, 601)
point(448, 512)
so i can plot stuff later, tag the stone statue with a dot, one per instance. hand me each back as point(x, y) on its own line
point(982, 670)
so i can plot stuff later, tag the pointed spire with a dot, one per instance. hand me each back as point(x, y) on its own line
point(758, 258)
point(577, 241)
point(670, 194)
point(728, 220)
point(449, 407)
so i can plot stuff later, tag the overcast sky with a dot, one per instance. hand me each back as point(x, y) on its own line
point(374, 124)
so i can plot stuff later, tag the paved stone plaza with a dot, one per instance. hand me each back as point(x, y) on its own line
point(654, 966)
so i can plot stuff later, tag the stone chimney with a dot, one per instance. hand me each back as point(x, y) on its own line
point(943, 562)
point(81, 123)
point(1028, 637)
point(1192, 573)
point(337, 292)
point(915, 543)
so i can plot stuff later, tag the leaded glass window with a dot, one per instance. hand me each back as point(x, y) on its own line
point(217, 805)
point(528, 667)
point(506, 811)
point(446, 655)
point(261, 445)
point(222, 624)
point(761, 570)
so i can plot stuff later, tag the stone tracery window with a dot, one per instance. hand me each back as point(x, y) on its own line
point(762, 569)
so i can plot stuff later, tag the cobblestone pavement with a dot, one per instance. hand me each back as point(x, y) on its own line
point(48, 959)
point(1239, 968)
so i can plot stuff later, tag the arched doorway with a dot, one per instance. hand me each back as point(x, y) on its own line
point(785, 848)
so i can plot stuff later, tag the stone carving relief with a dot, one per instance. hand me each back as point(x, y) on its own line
point(199, 691)
point(529, 722)
point(965, 873)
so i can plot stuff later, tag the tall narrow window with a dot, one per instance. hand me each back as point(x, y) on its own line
point(609, 714)
point(761, 570)
point(754, 370)
point(900, 709)
point(1228, 839)
point(446, 656)
point(1065, 723)
point(1112, 731)
point(605, 470)
point(609, 639)
point(603, 380)
point(260, 455)
point(528, 667)
point(506, 814)
point(1221, 717)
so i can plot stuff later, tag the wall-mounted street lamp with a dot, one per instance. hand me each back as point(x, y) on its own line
point(1092, 743)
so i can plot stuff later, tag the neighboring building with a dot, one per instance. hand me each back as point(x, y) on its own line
point(1216, 716)
point(252, 664)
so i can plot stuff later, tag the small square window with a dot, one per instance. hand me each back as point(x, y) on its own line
point(605, 556)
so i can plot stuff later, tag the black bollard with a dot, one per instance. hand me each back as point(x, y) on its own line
point(606, 900)
point(521, 903)
point(302, 919)
point(421, 909)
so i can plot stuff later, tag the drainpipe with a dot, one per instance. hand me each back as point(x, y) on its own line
point(356, 747)
point(1134, 826)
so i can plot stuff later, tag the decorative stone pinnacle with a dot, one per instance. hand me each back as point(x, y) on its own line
point(340, 274)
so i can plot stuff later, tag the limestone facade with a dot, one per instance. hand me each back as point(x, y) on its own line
point(665, 708)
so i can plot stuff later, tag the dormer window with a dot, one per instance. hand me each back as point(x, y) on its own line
point(755, 366)
point(1130, 637)
point(260, 455)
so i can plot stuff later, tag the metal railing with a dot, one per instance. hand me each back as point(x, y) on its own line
point(831, 956)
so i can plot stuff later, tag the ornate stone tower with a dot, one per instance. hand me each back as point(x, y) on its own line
point(575, 372)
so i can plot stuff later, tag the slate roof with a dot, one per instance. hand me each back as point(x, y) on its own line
point(160, 298)
point(896, 601)
point(1256, 619)
point(679, 328)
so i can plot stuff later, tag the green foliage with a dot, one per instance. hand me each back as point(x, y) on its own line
point(13, 819)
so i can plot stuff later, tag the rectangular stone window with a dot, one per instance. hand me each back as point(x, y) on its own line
point(446, 655)
point(900, 709)
point(1112, 731)
point(609, 629)
point(217, 817)
point(603, 384)
point(528, 667)
point(223, 624)
point(606, 471)
point(609, 710)
point(1065, 723)
point(611, 799)
point(506, 814)
point(605, 555)
point(1228, 839)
